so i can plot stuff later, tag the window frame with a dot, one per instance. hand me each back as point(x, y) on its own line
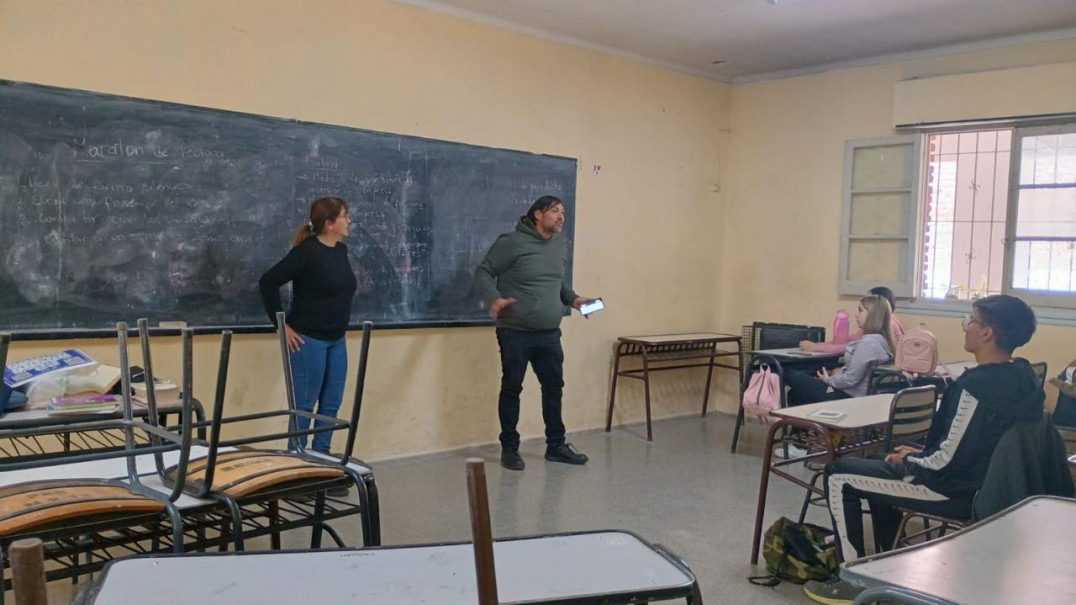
point(1036, 298)
point(907, 287)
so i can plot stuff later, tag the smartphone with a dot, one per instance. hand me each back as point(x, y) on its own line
point(592, 307)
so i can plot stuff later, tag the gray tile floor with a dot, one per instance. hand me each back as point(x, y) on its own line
point(684, 490)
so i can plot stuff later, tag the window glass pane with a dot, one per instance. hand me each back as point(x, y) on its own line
point(949, 143)
point(938, 260)
point(1038, 271)
point(1001, 185)
point(965, 207)
point(881, 167)
point(1046, 213)
point(983, 188)
point(1004, 140)
point(961, 259)
point(965, 186)
point(875, 260)
point(979, 260)
point(880, 213)
point(1020, 265)
point(1060, 266)
point(1066, 160)
point(1028, 155)
point(997, 257)
point(1045, 159)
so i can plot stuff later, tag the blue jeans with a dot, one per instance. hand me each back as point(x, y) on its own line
point(319, 370)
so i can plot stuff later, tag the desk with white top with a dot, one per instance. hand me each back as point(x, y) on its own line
point(1023, 554)
point(941, 377)
point(658, 351)
point(861, 427)
point(33, 434)
point(593, 567)
point(780, 360)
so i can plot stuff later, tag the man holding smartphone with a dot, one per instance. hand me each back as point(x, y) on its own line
point(522, 282)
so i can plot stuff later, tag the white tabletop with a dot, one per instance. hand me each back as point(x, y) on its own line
point(797, 353)
point(25, 417)
point(860, 412)
point(661, 338)
point(949, 369)
point(528, 570)
point(1024, 554)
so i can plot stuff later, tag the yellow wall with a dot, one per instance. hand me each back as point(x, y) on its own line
point(782, 233)
point(654, 238)
point(646, 227)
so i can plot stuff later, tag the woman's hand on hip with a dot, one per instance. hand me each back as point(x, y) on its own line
point(295, 342)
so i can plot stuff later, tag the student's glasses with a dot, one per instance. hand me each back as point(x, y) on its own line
point(967, 320)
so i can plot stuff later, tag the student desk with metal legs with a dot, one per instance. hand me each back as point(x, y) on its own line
point(779, 360)
point(1024, 554)
point(861, 427)
point(673, 352)
point(30, 434)
point(594, 567)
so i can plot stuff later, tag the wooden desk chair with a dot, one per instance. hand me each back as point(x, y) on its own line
point(70, 513)
point(1040, 368)
point(765, 336)
point(1002, 486)
point(254, 477)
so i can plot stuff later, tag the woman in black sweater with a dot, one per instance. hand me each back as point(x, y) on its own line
point(323, 286)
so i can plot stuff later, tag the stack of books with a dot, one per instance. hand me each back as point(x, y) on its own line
point(165, 391)
point(85, 403)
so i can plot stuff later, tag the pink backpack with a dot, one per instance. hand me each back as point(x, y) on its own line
point(917, 351)
point(763, 393)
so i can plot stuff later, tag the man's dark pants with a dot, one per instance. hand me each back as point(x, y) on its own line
point(541, 349)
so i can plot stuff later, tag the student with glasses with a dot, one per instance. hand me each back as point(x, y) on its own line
point(942, 477)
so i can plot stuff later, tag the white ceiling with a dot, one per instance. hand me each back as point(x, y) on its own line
point(771, 38)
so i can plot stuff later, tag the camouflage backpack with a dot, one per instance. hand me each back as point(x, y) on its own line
point(797, 552)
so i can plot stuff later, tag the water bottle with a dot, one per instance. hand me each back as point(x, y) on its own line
point(840, 328)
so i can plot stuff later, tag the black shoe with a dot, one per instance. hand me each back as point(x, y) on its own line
point(511, 460)
point(565, 453)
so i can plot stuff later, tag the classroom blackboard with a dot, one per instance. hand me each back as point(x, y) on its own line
point(114, 208)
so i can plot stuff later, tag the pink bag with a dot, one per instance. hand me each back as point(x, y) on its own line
point(840, 328)
point(917, 351)
point(763, 393)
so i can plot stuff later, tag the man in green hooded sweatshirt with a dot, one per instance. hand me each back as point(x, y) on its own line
point(522, 281)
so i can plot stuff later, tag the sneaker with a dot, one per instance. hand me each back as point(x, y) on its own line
point(565, 453)
point(511, 460)
point(833, 592)
point(794, 451)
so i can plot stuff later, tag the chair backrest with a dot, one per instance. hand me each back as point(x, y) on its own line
point(783, 336)
point(482, 532)
point(204, 485)
point(910, 415)
point(1068, 433)
point(887, 382)
point(1040, 370)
